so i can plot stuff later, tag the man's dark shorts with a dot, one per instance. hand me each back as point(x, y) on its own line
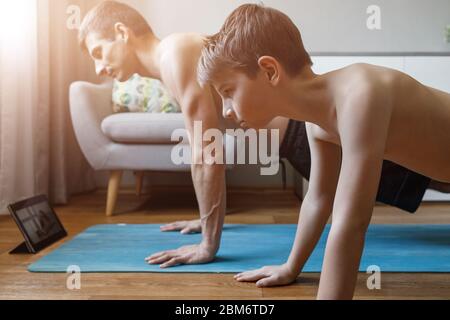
point(399, 187)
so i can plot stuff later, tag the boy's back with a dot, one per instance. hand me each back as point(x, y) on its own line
point(418, 135)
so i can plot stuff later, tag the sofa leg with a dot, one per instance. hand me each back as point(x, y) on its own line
point(139, 182)
point(113, 190)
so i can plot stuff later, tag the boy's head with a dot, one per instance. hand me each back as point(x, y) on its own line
point(256, 50)
point(108, 32)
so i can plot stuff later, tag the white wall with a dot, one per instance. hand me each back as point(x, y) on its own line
point(326, 25)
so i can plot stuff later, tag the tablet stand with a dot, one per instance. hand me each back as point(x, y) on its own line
point(20, 249)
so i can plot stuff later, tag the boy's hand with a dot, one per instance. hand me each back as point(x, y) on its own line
point(185, 227)
point(269, 276)
point(194, 254)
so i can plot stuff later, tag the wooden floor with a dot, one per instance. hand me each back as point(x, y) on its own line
point(246, 207)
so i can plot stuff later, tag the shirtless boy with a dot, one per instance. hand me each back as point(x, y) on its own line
point(121, 43)
point(356, 117)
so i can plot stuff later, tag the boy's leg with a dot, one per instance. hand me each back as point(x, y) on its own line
point(399, 187)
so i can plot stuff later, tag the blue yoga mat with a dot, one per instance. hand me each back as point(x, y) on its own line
point(122, 248)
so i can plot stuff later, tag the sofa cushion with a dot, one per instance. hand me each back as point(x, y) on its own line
point(143, 128)
point(139, 94)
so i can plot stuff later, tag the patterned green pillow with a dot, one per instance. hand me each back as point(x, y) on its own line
point(139, 94)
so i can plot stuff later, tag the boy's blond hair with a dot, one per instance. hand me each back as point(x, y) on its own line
point(102, 18)
point(250, 32)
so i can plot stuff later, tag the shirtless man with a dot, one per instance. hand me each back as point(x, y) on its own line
point(356, 117)
point(121, 43)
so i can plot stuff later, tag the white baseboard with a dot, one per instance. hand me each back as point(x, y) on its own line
point(432, 195)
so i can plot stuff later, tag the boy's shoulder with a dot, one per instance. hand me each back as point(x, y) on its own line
point(366, 98)
point(361, 95)
point(363, 78)
point(362, 84)
point(357, 77)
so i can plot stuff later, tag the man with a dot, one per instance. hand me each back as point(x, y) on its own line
point(121, 43)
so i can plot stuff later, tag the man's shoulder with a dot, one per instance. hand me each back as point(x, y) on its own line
point(179, 58)
point(182, 47)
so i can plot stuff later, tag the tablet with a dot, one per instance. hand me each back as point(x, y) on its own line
point(38, 222)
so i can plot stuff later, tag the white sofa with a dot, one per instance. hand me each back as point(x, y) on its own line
point(126, 141)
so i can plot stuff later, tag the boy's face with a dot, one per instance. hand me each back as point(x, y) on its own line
point(112, 58)
point(245, 100)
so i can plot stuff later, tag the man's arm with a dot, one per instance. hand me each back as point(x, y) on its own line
point(209, 179)
point(363, 132)
point(315, 211)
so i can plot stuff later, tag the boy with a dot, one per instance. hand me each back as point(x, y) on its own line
point(356, 117)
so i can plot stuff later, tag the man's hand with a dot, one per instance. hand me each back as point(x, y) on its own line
point(185, 227)
point(194, 254)
point(269, 276)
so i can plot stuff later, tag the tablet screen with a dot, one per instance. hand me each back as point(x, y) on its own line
point(37, 221)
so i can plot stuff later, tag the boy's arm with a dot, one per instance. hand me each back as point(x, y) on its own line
point(318, 203)
point(315, 211)
point(363, 133)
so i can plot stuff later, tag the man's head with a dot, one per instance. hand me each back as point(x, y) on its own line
point(109, 32)
point(257, 49)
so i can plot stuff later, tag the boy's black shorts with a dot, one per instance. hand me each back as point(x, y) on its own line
point(399, 187)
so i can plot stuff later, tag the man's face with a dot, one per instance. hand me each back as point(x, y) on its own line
point(246, 101)
point(112, 58)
